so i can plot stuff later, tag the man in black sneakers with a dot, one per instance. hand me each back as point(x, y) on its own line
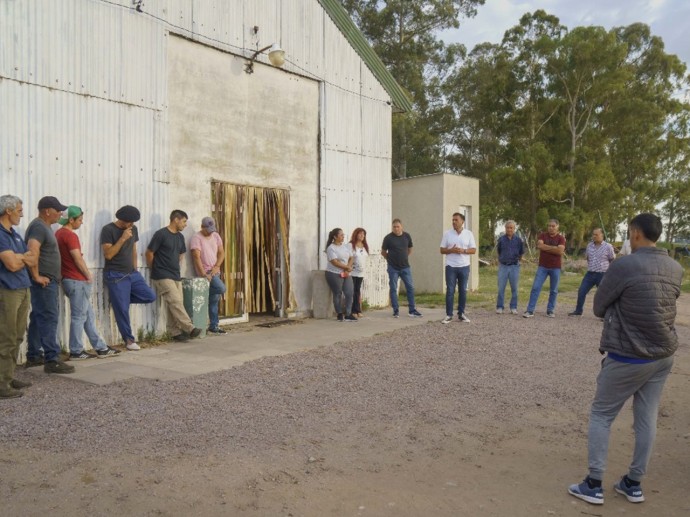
point(15, 258)
point(637, 299)
point(164, 253)
point(396, 248)
point(77, 282)
point(45, 278)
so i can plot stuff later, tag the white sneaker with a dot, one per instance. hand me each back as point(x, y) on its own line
point(513, 311)
point(447, 320)
point(133, 346)
point(499, 311)
point(464, 318)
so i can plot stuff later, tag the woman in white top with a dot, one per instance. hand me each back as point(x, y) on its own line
point(338, 271)
point(360, 249)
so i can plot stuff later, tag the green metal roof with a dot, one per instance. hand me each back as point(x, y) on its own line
point(342, 20)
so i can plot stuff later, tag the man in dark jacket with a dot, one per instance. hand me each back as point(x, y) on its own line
point(637, 299)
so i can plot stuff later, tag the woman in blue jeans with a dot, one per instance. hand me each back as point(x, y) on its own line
point(338, 269)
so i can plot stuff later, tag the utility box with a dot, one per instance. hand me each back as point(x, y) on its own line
point(426, 204)
point(195, 296)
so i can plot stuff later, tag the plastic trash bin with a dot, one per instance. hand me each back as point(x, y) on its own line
point(195, 296)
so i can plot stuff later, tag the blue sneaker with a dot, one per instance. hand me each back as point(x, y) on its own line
point(396, 314)
point(632, 493)
point(414, 313)
point(591, 495)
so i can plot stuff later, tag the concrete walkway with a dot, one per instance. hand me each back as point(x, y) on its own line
point(214, 353)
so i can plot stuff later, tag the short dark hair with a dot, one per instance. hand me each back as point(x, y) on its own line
point(396, 220)
point(649, 224)
point(459, 215)
point(178, 214)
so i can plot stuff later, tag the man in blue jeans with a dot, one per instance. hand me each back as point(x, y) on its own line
point(457, 245)
point(125, 284)
point(510, 251)
point(637, 299)
point(77, 283)
point(43, 346)
point(208, 255)
point(551, 246)
point(396, 248)
point(599, 255)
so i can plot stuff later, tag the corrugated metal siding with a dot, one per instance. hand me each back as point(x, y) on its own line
point(306, 52)
point(84, 47)
point(83, 97)
point(220, 22)
point(343, 120)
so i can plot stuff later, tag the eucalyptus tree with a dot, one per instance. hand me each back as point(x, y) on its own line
point(405, 35)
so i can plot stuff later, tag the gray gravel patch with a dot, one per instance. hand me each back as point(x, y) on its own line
point(491, 370)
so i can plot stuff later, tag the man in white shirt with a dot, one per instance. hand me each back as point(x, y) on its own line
point(457, 244)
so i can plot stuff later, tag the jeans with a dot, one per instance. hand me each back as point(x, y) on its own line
point(216, 290)
point(508, 274)
point(405, 275)
point(554, 275)
point(125, 289)
point(82, 318)
point(590, 280)
point(460, 276)
point(357, 295)
point(43, 322)
point(616, 383)
point(14, 307)
point(341, 286)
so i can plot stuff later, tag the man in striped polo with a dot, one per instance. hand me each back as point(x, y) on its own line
point(599, 255)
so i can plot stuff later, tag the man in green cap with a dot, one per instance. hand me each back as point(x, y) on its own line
point(77, 282)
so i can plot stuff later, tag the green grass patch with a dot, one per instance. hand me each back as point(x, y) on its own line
point(485, 295)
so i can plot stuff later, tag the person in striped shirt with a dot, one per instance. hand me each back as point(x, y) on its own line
point(599, 255)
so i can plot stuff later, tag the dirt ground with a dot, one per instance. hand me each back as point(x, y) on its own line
point(485, 419)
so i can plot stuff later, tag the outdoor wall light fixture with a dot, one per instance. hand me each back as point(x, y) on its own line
point(276, 56)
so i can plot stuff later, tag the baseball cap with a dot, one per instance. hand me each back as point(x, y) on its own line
point(209, 224)
point(72, 213)
point(51, 202)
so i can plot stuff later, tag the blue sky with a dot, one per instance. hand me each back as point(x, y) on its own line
point(669, 19)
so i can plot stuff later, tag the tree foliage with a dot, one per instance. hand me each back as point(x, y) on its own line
point(583, 124)
point(405, 35)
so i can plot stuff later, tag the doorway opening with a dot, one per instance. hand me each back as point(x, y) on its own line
point(254, 223)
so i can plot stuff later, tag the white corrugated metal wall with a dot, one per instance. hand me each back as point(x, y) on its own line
point(83, 99)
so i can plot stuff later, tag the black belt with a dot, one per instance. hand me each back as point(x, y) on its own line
point(511, 264)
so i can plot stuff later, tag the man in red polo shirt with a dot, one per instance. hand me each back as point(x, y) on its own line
point(551, 246)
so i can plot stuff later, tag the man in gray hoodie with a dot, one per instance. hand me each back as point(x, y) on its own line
point(637, 299)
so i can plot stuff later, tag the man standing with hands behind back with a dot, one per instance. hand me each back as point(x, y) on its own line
point(457, 245)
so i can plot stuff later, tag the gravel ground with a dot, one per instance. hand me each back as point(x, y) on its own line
point(489, 369)
point(427, 420)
